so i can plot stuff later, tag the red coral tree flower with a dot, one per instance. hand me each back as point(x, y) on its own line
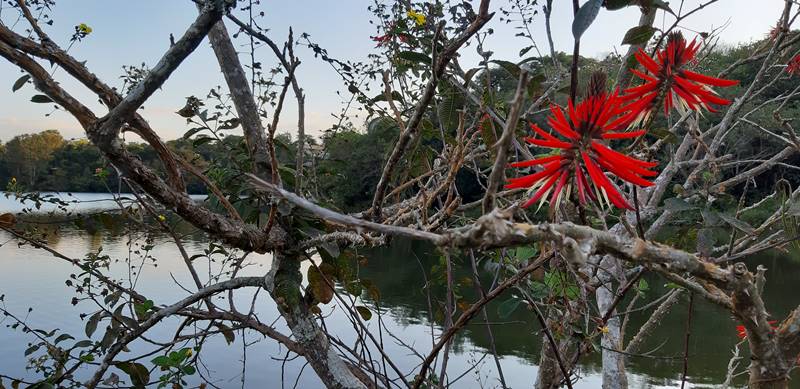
point(793, 67)
point(667, 79)
point(741, 332)
point(581, 155)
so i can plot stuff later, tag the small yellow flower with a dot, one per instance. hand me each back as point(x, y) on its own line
point(84, 28)
point(418, 17)
point(13, 180)
point(604, 329)
point(162, 218)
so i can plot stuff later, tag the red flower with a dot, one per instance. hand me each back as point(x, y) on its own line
point(793, 67)
point(382, 39)
point(742, 333)
point(667, 79)
point(583, 156)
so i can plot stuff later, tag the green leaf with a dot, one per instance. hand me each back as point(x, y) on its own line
point(41, 99)
point(319, 287)
point(469, 74)
point(62, 338)
point(227, 332)
point(508, 66)
point(41, 385)
point(229, 124)
point(523, 253)
point(585, 16)
point(364, 312)
point(642, 286)
point(91, 324)
point(675, 204)
point(192, 131)
point(413, 56)
point(535, 84)
point(162, 361)
point(396, 96)
point(83, 343)
point(372, 290)
point(737, 224)
point(506, 308)
point(20, 82)
point(539, 290)
point(638, 35)
point(32, 349)
point(613, 5)
point(139, 374)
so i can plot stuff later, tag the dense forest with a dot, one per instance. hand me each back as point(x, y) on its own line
point(346, 161)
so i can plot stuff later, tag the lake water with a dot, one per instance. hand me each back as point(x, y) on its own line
point(32, 278)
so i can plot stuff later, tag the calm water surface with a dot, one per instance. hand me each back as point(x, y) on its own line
point(32, 278)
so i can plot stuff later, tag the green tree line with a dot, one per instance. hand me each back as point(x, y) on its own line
point(346, 162)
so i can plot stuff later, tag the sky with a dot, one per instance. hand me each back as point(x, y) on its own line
point(134, 32)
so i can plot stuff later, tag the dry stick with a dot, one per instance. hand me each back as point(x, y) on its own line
point(556, 351)
point(346, 220)
point(573, 82)
point(620, 295)
point(128, 337)
point(502, 145)
point(482, 294)
point(287, 63)
point(438, 69)
point(624, 74)
point(243, 100)
point(360, 324)
point(448, 321)
point(210, 185)
point(469, 314)
point(111, 283)
point(238, 234)
point(686, 341)
point(184, 255)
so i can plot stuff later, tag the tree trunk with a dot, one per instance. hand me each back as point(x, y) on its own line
point(614, 376)
point(283, 283)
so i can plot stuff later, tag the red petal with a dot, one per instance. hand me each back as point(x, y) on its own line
point(647, 62)
point(561, 182)
point(535, 162)
point(553, 144)
point(622, 158)
point(543, 133)
point(526, 181)
point(708, 80)
point(642, 75)
point(624, 174)
point(602, 181)
point(560, 124)
point(539, 193)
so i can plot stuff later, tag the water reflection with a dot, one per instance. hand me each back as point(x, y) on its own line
point(33, 278)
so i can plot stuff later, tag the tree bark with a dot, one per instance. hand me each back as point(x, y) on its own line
point(283, 283)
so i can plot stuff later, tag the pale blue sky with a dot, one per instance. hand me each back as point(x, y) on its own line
point(131, 32)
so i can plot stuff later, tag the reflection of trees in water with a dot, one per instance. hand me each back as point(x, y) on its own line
point(396, 271)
